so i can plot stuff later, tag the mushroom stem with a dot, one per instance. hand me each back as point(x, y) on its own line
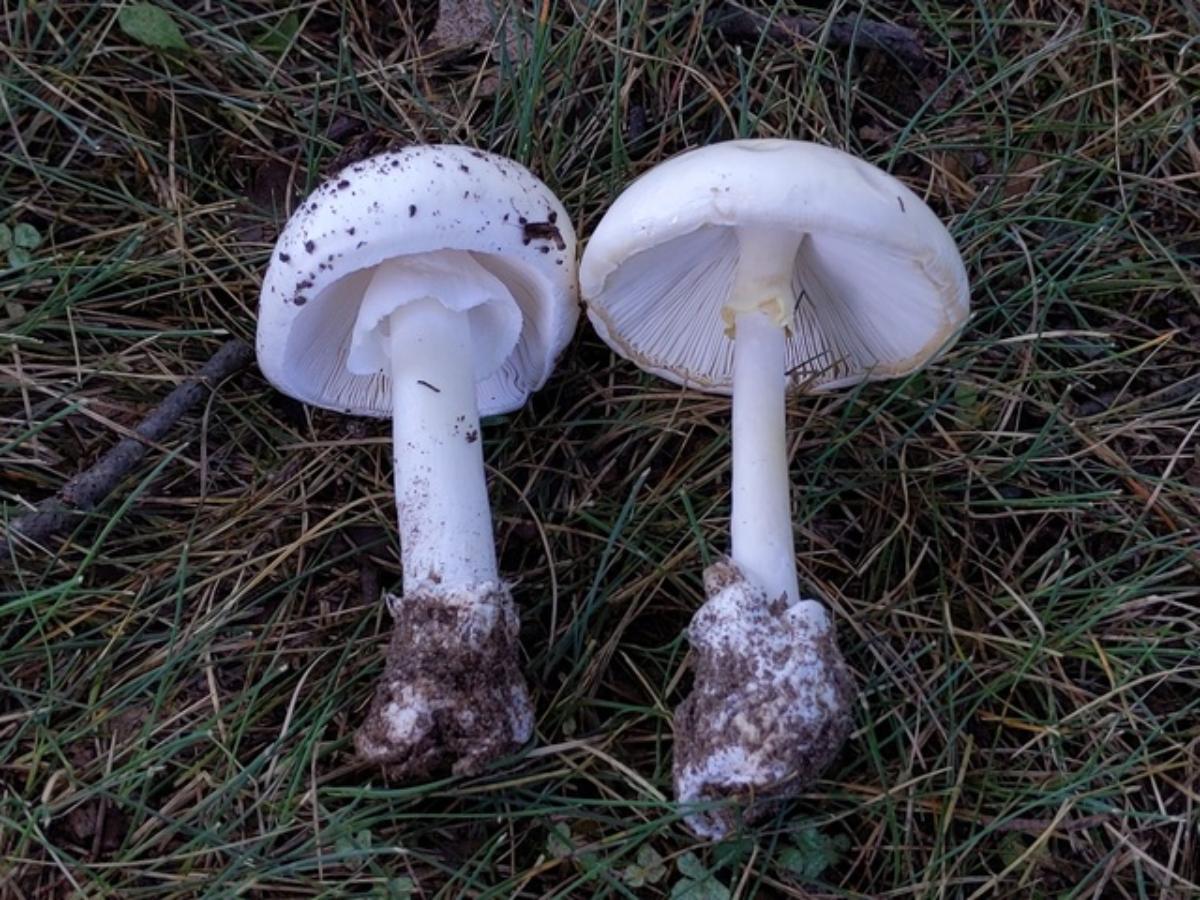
point(441, 489)
point(761, 525)
point(765, 274)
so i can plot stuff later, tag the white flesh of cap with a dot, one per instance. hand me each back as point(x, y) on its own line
point(405, 204)
point(877, 284)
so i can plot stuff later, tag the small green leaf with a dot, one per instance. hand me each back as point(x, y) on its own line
point(918, 385)
point(279, 37)
point(730, 852)
point(812, 854)
point(707, 889)
point(795, 861)
point(400, 888)
point(558, 842)
point(148, 24)
point(697, 883)
point(649, 868)
point(6, 237)
point(25, 235)
point(966, 396)
point(651, 863)
point(18, 257)
point(1012, 848)
point(689, 864)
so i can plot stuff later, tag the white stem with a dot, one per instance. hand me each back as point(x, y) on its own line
point(763, 281)
point(441, 488)
point(762, 520)
point(759, 309)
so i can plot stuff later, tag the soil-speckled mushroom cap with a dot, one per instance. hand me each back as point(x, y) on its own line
point(417, 200)
point(879, 284)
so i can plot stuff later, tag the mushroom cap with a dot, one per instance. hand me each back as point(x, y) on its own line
point(880, 285)
point(412, 201)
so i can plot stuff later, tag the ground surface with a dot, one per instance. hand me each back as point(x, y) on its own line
point(1008, 540)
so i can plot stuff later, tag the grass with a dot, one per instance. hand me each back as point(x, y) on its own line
point(1009, 540)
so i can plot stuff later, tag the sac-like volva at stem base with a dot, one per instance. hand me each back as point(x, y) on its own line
point(452, 694)
point(770, 706)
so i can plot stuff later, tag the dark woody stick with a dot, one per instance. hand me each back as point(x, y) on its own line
point(88, 488)
point(738, 22)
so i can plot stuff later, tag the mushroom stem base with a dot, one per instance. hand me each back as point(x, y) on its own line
point(770, 706)
point(452, 695)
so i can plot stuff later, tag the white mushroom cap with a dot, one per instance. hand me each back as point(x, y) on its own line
point(880, 284)
point(412, 202)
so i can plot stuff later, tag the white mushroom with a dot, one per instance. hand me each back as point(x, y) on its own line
point(759, 267)
point(431, 285)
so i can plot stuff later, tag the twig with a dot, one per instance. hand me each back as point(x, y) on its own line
point(88, 488)
point(736, 22)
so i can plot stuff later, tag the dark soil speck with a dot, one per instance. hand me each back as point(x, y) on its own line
point(543, 231)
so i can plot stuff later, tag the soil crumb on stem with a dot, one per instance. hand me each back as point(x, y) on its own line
point(452, 694)
point(770, 706)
